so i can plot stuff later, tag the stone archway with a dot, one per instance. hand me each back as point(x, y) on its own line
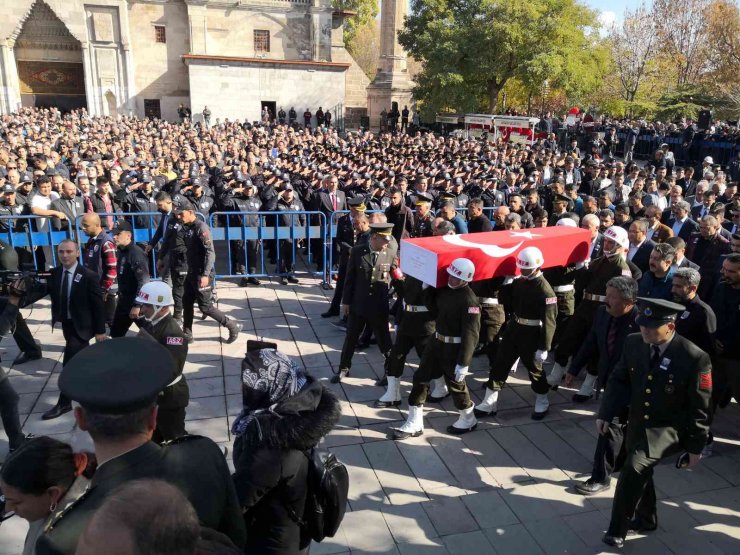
point(49, 62)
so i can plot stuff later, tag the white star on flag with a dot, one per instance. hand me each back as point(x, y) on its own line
point(527, 234)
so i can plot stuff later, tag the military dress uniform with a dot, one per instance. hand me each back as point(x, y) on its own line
point(668, 389)
point(132, 272)
point(346, 238)
point(493, 314)
point(453, 343)
point(562, 280)
point(174, 399)
point(173, 254)
point(534, 311)
point(366, 291)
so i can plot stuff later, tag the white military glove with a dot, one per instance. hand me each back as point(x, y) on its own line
point(583, 264)
point(540, 355)
point(509, 279)
point(461, 372)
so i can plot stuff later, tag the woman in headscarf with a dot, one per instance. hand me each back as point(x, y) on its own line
point(286, 413)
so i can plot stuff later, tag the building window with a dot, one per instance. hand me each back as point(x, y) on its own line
point(152, 109)
point(160, 35)
point(261, 41)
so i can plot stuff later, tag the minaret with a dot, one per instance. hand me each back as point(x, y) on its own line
point(392, 83)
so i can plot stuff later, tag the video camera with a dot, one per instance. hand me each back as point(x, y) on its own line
point(9, 277)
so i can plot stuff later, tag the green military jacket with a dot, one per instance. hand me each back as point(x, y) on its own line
point(669, 403)
point(532, 299)
point(458, 315)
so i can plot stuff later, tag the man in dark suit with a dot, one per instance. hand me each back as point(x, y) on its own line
point(705, 249)
point(640, 246)
point(703, 209)
point(69, 204)
point(365, 298)
point(77, 303)
point(679, 259)
point(591, 223)
point(667, 383)
point(613, 322)
point(681, 224)
point(117, 385)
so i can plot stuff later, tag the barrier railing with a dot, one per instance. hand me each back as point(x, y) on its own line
point(27, 234)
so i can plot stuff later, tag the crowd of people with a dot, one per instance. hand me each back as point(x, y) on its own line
point(663, 262)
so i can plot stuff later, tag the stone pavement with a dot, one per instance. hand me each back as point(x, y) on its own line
point(505, 488)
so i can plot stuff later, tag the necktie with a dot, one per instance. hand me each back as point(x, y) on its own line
point(655, 359)
point(88, 205)
point(375, 258)
point(333, 201)
point(64, 297)
point(611, 337)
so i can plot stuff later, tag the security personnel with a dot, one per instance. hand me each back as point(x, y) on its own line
point(172, 261)
point(292, 116)
point(281, 116)
point(667, 383)
point(423, 217)
point(288, 202)
point(612, 264)
point(133, 272)
point(244, 254)
point(370, 269)
point(201, 258)
point(449, 352)
point(155, 300)
point(415, 329)
point(528, 337)
point(562, 280)
point(116, 384)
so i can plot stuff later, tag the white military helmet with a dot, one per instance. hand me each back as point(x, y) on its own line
point(618, 235)
point(462, 268)
point(156, 293)
point(529, 258)
point(567, 222)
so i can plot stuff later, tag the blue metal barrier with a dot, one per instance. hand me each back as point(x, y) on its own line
point(20, 234)
point(269, 232)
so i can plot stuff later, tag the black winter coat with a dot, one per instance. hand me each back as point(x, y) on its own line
point(272, 469)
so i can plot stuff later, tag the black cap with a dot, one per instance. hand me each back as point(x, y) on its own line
point(122, 225)
point(8, 188)
point(423, 198)
point(656, 312)
point(118, 376)
point(26, 178)
point(382, 229)
point(358, 203)
point(196, 182)
point(183, 205)
point(447, 195)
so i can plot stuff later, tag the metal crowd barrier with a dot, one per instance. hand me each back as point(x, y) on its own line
point(26, 234)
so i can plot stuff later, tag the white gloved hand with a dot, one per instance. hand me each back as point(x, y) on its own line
point(461, 372)
point(540, 355)
point(583, 264)
point(509, 279)
point(424, 286)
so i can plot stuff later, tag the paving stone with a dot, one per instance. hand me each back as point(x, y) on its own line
point(462, 463)
point(425, 463)
point(554, 536)
point(365, 490)
point(435, 548)
point(558, 451)
point(469, 543)
point(409, 524)
point(494, 459)
point(206, 407)
point(206, 387)
point(526, 454)
point(489, 509)
point(399, 483)
point(367, 530)
point(450, 516)
point(512, 540)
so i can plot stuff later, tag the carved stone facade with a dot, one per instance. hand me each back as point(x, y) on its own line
point(150, 56)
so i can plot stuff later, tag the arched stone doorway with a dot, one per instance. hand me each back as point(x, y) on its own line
point(49, 62)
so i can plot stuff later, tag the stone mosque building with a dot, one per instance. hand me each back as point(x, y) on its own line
point(146, 57)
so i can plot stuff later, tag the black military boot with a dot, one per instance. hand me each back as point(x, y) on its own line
point(234, 328)
point(188, 333)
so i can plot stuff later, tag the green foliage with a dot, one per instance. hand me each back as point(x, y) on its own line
point(470, 49)
point(367, 11)
point(688, 100)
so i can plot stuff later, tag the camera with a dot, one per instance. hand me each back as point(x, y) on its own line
point(9, 277)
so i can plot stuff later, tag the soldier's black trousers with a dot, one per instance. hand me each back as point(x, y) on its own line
point(520, 342)
point(576, 331)
point(9, 413)
point(355, 325)
point(286, 256)
point(439, 360)
point(401, 349)
point(336, 300)
point(176, 279)
point(171, 412)
point(609, 455)
point(244, 254)
point(635, 492)
point(204, 297)
point(121, 319)
point(492, 320)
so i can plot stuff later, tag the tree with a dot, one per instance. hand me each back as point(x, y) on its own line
point(366, 11)
point(683, 32)
point(470, 49)
point(365, 47)
point(723, 23)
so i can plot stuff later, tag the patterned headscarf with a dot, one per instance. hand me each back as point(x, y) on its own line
point(273, 373)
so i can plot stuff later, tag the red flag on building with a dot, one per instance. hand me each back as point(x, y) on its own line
point(493, 253)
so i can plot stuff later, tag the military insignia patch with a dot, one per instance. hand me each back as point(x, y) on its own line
point(705, 381)
point(474, 310)
point(175, 341)
point(551, 300)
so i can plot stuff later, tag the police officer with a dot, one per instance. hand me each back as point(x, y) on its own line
point(281, 116)
point(528, 336)
point(244, 254)
point(612, 264)
point(116, 384)
point(449, 352)
point(288, 202)
point(423, 218)
point(172, 262)
point(292, 116)
point(366, 290)
point(155, 300)
point(201, 258)
point(667, 383)
point(132, 270)
point(415, 328)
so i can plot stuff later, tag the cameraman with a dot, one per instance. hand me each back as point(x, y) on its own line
point(8, 397)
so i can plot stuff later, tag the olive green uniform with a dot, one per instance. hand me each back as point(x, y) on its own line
point(453, 343)
point(668, 397)
point(493, 315)
point(534, 311)
point(562, 280)
point(416, 325)
point(594, 280)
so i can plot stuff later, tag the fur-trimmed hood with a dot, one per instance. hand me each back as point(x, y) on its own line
point(295, 423)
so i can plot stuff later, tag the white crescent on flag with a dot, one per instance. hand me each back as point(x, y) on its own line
point(494, 251)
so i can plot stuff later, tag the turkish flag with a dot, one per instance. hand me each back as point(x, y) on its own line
point(493, 253)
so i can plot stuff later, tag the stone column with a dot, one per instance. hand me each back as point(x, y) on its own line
point(10, 92)
point(92, 90)
point(392, 83)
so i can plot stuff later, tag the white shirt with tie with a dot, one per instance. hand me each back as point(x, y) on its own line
point(70, 279)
